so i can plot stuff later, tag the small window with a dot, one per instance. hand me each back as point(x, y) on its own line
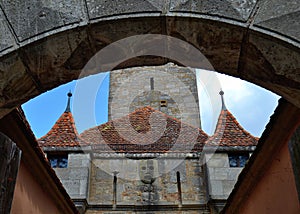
point(163, 103)
point(58, 161)
point(238, 160)
point(152, 83)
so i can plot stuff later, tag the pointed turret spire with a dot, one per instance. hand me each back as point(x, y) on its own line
point(223, 103)
point(64, 132)
point(68, 108)
point(229, 132)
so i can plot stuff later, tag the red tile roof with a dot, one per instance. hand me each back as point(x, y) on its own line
point(62, 134)
point(134, 134)
point(230, 133)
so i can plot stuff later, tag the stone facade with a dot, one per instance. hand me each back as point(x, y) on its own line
point(115, 184)
point(132, 189)
point(75, 178)
point(221, 176)
point(170, 89)
point(178, 187)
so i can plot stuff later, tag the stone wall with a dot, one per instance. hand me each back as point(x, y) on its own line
point(75, 177)
point(132, 189)
point(149, 86)
point(221, 176)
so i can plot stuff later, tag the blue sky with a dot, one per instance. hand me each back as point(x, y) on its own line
point(250, 104)
point(43, 111)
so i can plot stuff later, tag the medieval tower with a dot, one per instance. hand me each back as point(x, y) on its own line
point(170, 89)
point(151, 156)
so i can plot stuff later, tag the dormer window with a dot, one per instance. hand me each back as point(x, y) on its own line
point(58, 161)
point(237, 159)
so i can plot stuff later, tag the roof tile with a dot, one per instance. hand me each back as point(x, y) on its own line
point(230, 133)
point(145, 131)
point(62, 134)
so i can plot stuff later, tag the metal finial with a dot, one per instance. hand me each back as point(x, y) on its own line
point(68, 108)
point(222, 97)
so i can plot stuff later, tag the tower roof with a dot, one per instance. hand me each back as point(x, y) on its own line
point(63, 133)
point(165, 134)
point(229, 132)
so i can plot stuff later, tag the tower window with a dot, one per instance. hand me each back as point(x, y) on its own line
point(115, 188)
point(179, 187)
point(238, 160)
point(152, 83)
point(58, 161)
point(163, 103)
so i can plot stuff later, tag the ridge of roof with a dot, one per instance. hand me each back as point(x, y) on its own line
point(229, 132)
point(176, 136)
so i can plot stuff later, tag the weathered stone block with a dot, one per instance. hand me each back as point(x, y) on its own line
point(83, 189)
point(79, 173)
point(218, 160)
point(171, 188)
point(188, 197)
point(62, 173)
point(15, 83)
point(78, 160)
point(284, 61)
point(103, 8)
point(216, 188)
point(72, 187)
point(228, 187)
point(233, 173)
point(168, 84)
point(39, 16)
point(195, 181)
point(221, 174)
point(67, 52)
point(132, 191)
point(182, 170)
point(279, 16)
point(233, 9)
point(102, 175)
point(6, 38)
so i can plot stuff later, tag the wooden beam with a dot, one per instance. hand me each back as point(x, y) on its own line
point(294, 147)
point(10, 156)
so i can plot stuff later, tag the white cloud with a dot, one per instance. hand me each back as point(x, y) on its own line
point(236, 90)
point(250, 104)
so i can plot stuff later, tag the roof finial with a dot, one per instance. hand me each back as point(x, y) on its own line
point(68, 109)
point(223, 103)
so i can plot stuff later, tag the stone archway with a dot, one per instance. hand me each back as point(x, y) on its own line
point(47, 44)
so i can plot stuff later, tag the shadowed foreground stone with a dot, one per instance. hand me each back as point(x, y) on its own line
point(48, 43)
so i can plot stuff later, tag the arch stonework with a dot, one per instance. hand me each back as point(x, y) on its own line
point(43, 45)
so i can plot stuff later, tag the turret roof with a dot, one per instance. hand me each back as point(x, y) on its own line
point(229, 132)
point(147, 131)
point(64, 132)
